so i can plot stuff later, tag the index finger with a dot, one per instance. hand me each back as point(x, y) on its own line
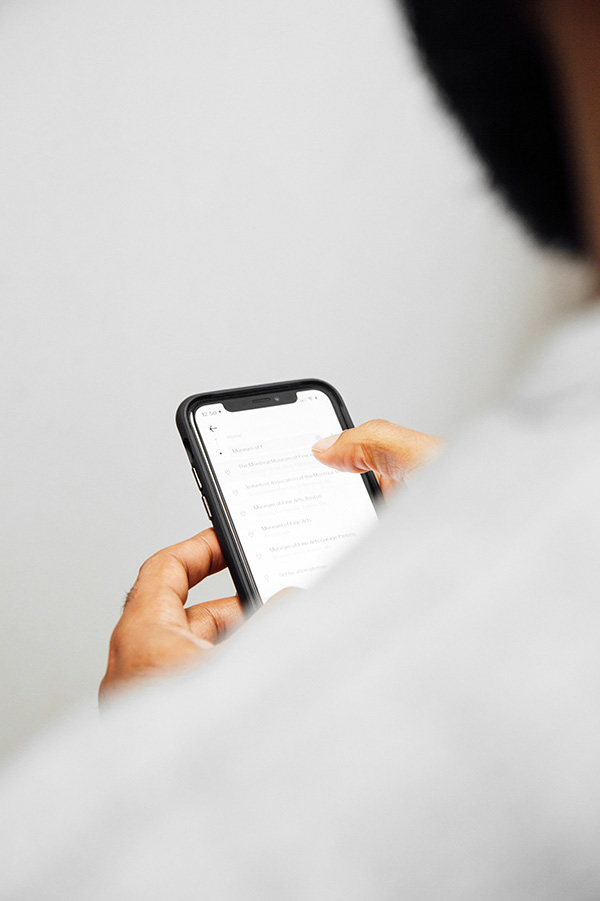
point(383, 447)
point(163, 582)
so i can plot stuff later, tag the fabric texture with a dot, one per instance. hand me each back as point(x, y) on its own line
point(423, 725)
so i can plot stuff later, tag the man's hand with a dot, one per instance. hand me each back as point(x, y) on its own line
point(388, 450)
point(155, 632)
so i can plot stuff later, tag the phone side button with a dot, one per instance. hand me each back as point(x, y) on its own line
point(207, 508)
point(196, 476)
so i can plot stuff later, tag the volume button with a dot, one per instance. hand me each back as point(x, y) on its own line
point(207, 508)
point(197, 477)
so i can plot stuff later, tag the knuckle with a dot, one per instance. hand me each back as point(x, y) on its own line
point(118, 640)
point(376, 433)
point(158, 562)
point(375, 429)
point(126, 636)
point(146, 565)
point(153, 560)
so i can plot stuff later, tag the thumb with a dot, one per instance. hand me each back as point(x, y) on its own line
point(378, 446)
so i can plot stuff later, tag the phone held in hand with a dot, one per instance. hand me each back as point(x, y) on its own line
point(282, 517)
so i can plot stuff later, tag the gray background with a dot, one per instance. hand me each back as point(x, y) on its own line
point(202, 195)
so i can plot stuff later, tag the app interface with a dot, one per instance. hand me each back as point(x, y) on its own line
point(295, 517)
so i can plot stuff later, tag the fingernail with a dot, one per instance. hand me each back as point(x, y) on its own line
point(325, 443)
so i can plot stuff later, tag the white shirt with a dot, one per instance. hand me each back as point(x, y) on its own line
point(423, 725)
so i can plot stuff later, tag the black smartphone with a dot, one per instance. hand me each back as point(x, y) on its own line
point(282, 517)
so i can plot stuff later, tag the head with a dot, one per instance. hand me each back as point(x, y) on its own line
point(496, 71)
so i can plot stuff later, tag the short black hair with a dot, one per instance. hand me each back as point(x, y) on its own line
point(492, 73)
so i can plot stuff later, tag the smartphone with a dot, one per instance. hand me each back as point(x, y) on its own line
point(283, 519)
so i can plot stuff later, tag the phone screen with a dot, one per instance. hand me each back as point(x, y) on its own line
point(294, 516)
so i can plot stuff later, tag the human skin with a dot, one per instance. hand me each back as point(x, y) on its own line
point(157, 633)
point(571, 32)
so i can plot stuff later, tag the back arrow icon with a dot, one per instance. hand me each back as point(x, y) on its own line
point(213, 428)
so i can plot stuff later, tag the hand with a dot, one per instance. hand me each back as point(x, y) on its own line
point(156, 632)
point(388, 450)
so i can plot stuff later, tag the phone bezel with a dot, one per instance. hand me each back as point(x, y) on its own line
point(231, 545)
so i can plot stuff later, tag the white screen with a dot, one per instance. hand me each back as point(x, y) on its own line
point(295, 517)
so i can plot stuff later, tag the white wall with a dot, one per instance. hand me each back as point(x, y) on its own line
point(201, 195)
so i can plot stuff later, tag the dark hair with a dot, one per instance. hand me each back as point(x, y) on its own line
point(491, 72)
